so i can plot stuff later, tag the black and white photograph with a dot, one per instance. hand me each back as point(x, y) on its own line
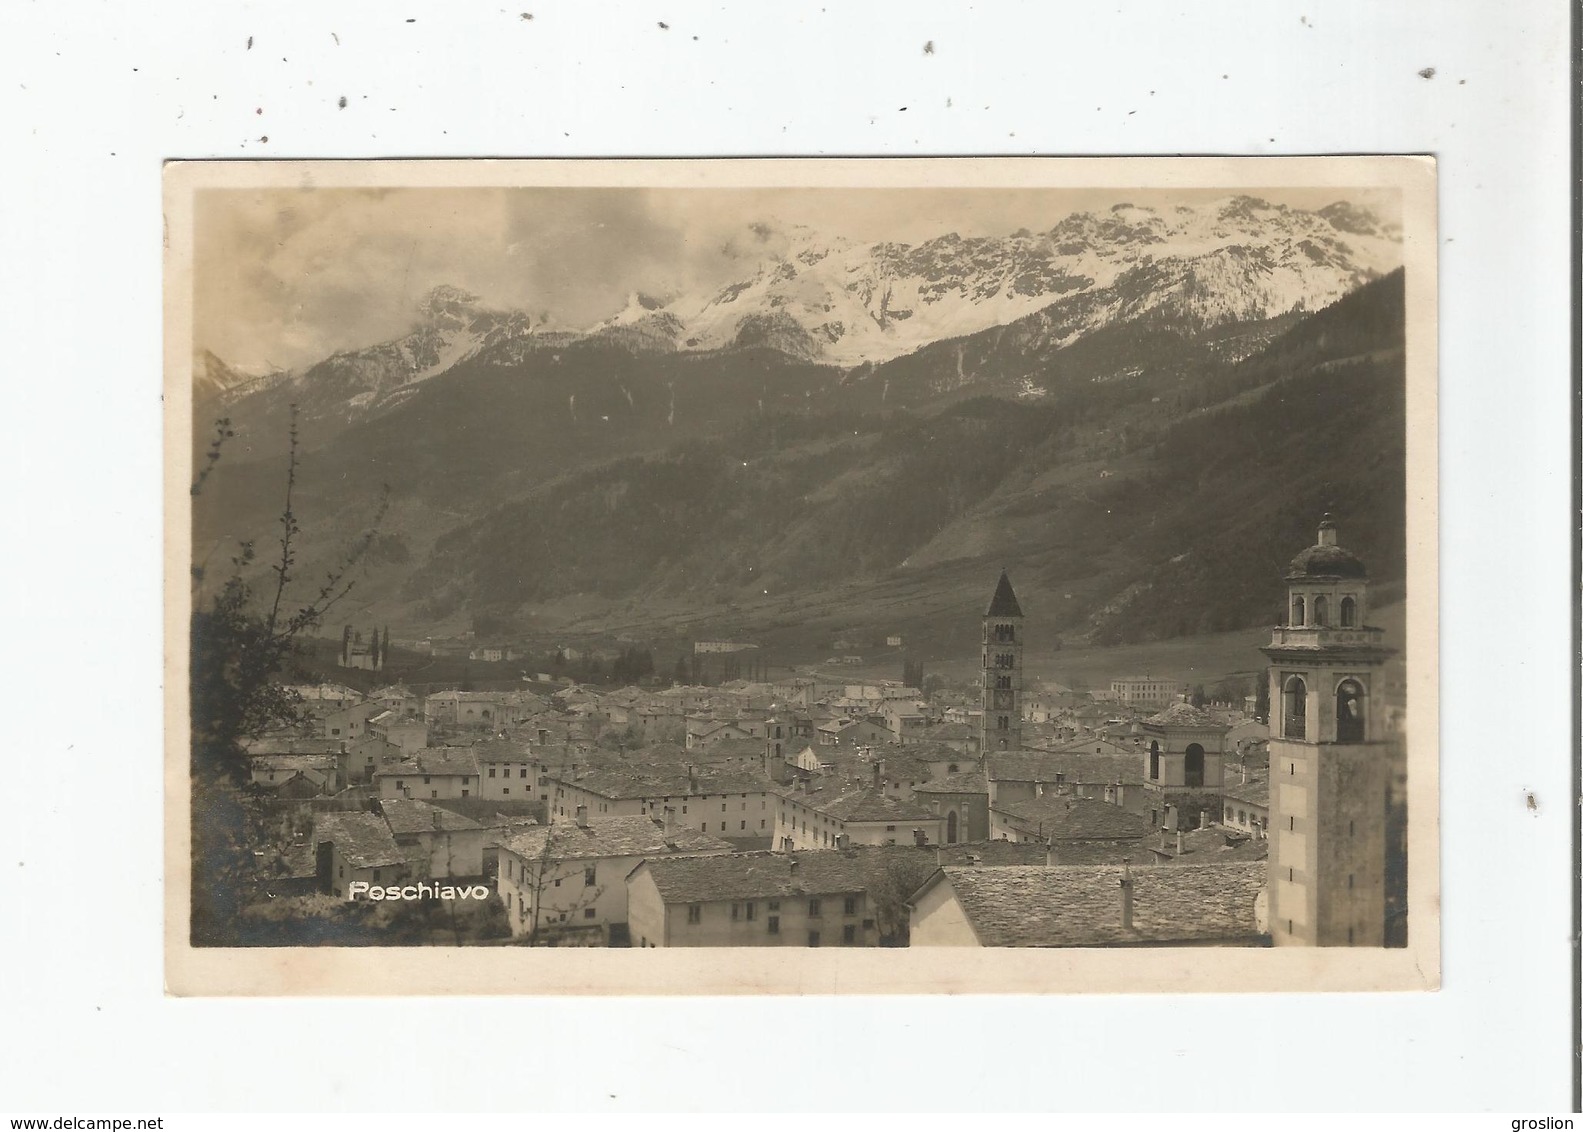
point(907, 565)
point(749, 561)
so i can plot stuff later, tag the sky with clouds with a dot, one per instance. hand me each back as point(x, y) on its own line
point(284, 277)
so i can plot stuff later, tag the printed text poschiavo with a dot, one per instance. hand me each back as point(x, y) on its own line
point(361, 889)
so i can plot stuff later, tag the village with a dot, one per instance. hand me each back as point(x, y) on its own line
point(806, 811)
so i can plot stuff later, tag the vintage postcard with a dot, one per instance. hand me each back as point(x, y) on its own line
point(801, 576)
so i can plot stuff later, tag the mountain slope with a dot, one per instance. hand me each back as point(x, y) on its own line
point(1178, 272)
point(1129, 510)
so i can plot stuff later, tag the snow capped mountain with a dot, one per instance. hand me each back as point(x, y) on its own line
point(212, 377)
point(451, 326)
point(839, 301)
point(844, 302)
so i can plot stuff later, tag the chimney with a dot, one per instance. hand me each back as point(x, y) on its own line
point(1126, 893)
point(919, 837)
point(843, 841)
point(1049, 854)
point(670, 818)
point(879, 774)
point(1162, 837)
point(582, 816)
point(436, 810)
point(1243, 773)
point(1178, 843)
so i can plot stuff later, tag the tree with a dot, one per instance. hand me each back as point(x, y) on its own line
point(547, 863)
point(1196, 698)
point(1261, 703)
point(904, 875)
point(241, 646)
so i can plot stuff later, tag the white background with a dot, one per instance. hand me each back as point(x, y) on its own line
point(93, 96)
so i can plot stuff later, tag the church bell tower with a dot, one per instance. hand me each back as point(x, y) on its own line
point(1000, 729)
point(1331, 763)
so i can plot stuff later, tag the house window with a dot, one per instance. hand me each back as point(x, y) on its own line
point(589, 913)
point(813, 907)
point(436, 793)
point(695, 913)
point(465, 793)
point(849, 906)
point(1297, 612)
point(398, 784)
point(376, 874)
point(813, 939)
point(736, 911)
point(491, 772)
point(749, 911)
point(849, 934)
point(775, 905)
point(523, 773)
point(505, 789)
point(1154, 762)
point(1349, 613)
point(773, 925)
point(589, 876)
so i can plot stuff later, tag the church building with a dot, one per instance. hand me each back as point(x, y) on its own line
point(1001, 726)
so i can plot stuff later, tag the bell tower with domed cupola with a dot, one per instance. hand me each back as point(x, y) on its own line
point(1000, 729)
point(1331, 764)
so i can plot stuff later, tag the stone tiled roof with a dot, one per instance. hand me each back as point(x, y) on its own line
point(1072, 767)
point(609, 837)
point(968, 782)
point(855, 802)
point(1216, 844)
point(672, 781)
point(434, 760)
point(362, 839)
point(1080, 905)
point(409, 815)
point(1184, 715)
point(504, 751)
point(1068, 818)
point(1255, 791)
point(294, 762)
point(769, 876)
